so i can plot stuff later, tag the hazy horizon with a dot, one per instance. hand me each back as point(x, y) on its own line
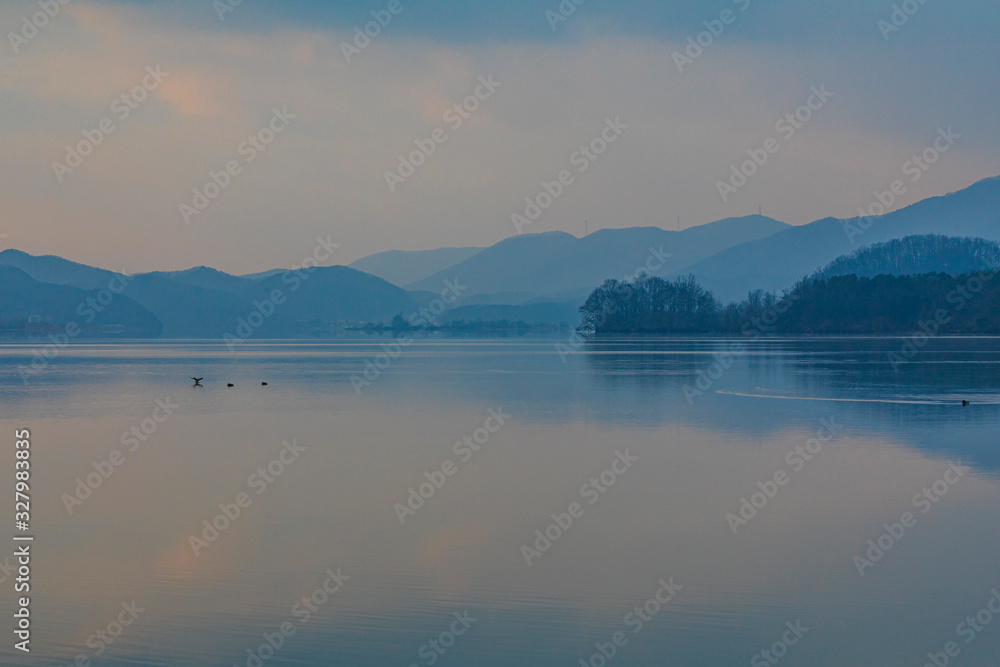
point(222, 76)
point(333, 262)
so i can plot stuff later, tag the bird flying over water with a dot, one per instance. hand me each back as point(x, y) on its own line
point(197, 381)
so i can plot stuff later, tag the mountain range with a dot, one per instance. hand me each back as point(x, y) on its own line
point(535, 278)
point(203, 302)
point(775, 263)
point(914, 255)
point(557, 266)
point(403, 267)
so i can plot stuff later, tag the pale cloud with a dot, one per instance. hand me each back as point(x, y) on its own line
point(195, 93)
point(324, 175)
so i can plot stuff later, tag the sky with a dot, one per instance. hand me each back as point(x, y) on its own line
point(308, 119)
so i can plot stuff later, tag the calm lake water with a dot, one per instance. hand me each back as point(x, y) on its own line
point(640, 473)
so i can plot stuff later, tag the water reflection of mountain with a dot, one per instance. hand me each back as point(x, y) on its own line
point(778, 382)
point(769, 389)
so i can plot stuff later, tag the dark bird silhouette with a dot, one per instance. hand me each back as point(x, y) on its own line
point(230, 385)
point(263, 384)
point(964, 403)
point(197, 381)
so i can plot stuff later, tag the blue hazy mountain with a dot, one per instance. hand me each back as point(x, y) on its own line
point(340, 293)
point(778, 261)
point(322, 297)
point(557, 266)
point(403, 267)
point(541, 277)
point(203, 276)
point(913, 255)
point(56, 270)
point(206, 303)
point(42, 308)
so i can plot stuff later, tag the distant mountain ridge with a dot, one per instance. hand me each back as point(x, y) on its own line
point(208, 278)
point(538, 277)
point(404, 267)
point(914, 255)
point(203, 302)
point(557, 266)
point(56, 270)
point(27, 305)
point(778, 261)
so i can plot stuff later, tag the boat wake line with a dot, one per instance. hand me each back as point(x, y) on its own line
point(911, 401)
